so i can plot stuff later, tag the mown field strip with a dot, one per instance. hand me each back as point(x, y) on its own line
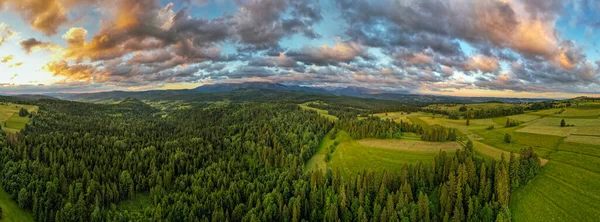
point(410, 145)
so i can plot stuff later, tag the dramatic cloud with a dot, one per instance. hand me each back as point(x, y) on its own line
point(77, 72)
point(340, 52)
point(44, 15)
point(397, 45)
point(482, 63)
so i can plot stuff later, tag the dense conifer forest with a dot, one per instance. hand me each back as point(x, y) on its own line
point(240, 162)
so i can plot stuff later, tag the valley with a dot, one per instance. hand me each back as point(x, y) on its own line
point(355, 138)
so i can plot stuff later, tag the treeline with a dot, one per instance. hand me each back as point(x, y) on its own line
point(340, 112)
point(403, 108)
point(439, 134)
point(375, 127)
point(493, 112)
point(541, 105)
point(371, 127)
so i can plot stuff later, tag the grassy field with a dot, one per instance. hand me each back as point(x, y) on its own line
point(477, 106)
point(10, 120)
point(354, 156)
point(460, 125)
point(400, 116)
point(317, 161)
point(489, 151)
point(542, 144)
point(591, 140)
point(545, 112)
point(11, 211)
point(568, 187)
point(409, 145)
point(561, 192)
point(321, 112)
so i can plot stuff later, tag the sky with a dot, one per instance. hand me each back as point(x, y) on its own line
point(503, 48)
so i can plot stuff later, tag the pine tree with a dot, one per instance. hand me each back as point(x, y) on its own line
point(562, 123)
point(514, 171)
point(23, 112)
point(470, 146)
point(502, 184)
point(507, 138)
point(423, 203)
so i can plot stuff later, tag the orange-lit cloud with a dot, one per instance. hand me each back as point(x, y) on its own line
point(509, 24)
point(482, 63)
point(77, 72)
point(418, 58)
point(6, 59)
point(42, 15)
point(15, 65)
point(30, 45)
point(45, 16)
point(342, 51)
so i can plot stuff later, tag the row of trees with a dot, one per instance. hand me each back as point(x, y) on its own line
point(375, 127)
point(493, 112)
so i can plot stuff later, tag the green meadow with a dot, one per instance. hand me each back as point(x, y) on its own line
point(321, 112)
point(354, 156)
point(568, 187)
point(10, 121)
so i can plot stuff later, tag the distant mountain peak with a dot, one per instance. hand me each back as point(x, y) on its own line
point(225, 87)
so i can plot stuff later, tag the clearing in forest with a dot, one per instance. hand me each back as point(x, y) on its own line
point(351, 157)
point(321, 112)
point(410, 145)
point(400, 116)
point(476, 106)
point(10, 121)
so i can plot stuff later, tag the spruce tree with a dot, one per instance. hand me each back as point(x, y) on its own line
point(507, 138)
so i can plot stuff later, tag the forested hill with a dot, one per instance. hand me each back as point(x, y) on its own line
point(239, 162)
point(272, 91)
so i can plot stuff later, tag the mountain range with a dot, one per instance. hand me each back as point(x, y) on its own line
point(360, 92)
